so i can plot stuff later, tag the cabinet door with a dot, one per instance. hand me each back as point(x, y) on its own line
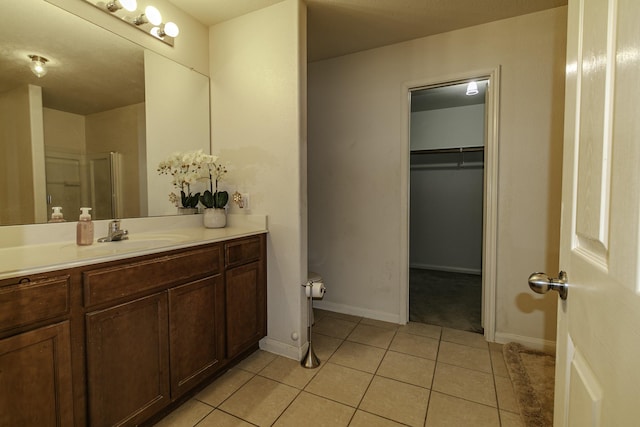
point(196, 325)
point(246, 307)
point(127, 361)
point(35, 378)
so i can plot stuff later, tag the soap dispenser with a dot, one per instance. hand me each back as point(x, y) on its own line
point(84, 231)
point(56, 215)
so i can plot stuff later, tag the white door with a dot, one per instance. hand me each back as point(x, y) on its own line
point(598, 344)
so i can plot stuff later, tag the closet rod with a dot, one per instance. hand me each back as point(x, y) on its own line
point(448, 150)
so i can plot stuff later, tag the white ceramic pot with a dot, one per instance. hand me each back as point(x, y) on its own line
point(215, 217)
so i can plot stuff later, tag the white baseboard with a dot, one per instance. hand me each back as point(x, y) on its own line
point(282, 349)
point(357, 311)
point(450, 269)
point(535, 343)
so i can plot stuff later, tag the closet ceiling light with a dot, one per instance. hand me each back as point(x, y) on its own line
point(472, 89)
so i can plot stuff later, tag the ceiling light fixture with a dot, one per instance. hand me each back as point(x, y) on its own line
point(38, 65)
point(472, 89)
point(115, 5)
point(149, 21)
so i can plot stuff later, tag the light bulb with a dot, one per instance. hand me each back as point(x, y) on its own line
point(153, 15)
point(38, 66)
point(129, 5)
point(171, 29)
point(115, 5)
point(472, 89)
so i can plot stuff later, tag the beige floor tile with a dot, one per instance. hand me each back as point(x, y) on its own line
point(223, 387)
point(449, 411)
point(506, 398)
point(416, 345)
point(406, 368)
point(372, 335)
point(339, 383)
point(260, 401)
point(333, 327)
point(510, 419)
point(365, 419)
point(289, 372)
point(358, 356)
point(187, 415)
point(380, 324)
point(494, 346)
point(324, 346)
point(423, 329)
point(220, 419)
point(256, 361)
point(464, 337)
point(310, 411)
point(465, 356)
point(342, 316)
point(498, 365)
point(464, 383)
point(319, 314)
point(397, 401)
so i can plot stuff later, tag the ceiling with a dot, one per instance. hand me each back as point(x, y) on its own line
point(340, 27)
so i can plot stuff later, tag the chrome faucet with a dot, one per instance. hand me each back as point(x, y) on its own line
point(115, 233)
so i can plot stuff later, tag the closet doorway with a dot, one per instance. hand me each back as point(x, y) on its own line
point(446, 204)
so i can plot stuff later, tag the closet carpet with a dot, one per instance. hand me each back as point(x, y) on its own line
point(442, 298)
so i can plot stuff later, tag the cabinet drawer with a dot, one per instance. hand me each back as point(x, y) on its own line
point(118, 281)
point(242, 251)
point(32, 301)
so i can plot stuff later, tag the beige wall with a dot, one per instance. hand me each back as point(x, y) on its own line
point(117, 130)
point(64, 131)
point(356, 124)
point(16, 177)
point(257, 101)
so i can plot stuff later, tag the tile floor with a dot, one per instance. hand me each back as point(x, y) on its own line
point(372, 374)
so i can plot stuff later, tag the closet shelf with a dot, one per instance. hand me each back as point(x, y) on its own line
point(449, 150)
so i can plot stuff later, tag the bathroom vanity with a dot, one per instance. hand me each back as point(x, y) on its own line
point(118, 338)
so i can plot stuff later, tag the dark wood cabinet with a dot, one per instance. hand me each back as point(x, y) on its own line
point(246, 299)
point(35, 378)
point(245, 308)
point(128, 361)
point(123, 342)
point(196, 331)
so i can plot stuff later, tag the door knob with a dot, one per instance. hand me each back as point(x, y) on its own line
point(541, 283)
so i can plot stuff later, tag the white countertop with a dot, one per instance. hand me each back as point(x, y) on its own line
point(33, 249)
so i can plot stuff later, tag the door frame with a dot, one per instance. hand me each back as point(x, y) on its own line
point(490, 208)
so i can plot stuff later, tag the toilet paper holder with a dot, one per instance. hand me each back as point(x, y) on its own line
point(310, 360)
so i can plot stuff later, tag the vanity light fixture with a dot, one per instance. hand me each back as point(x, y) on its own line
point(472, 89)
point(38, 65)
point(149, 21)
point(115, 5)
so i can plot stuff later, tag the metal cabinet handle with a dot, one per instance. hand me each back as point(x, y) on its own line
point(541, 283)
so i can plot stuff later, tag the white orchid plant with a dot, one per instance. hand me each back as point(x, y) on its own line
point(188, 168)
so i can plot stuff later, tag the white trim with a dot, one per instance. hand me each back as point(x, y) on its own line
point(490, 229)
point(540, 344)
point(358, 311)
point(282, 349)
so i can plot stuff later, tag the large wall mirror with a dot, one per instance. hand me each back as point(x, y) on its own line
point(92, 130)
